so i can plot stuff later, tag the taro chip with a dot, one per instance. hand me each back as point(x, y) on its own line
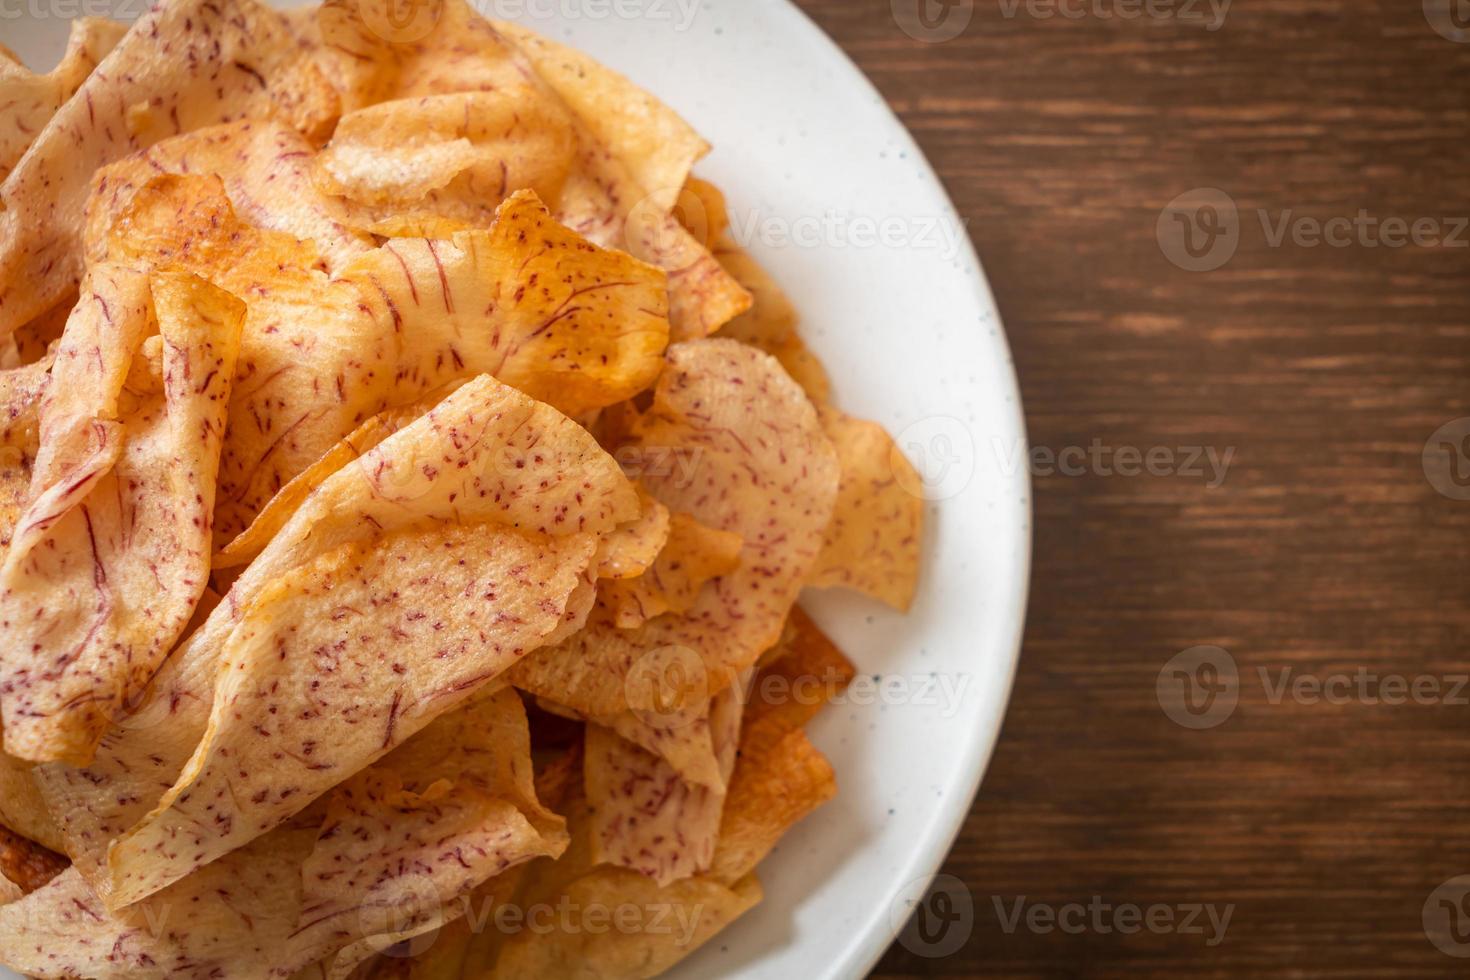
point(643, 802)
point(284, 504)
point(616, 180)
point(628, 158)
point(674, 922)
point(775, 785)
point(111, 554)
point(456, 155)
point(780, 777)
point(376, 50)
point(669, 924)
point(657, 147)
point(265, 167)
point(389, 854)
point(644, 815)
point(762, 469)
point(389, 625)
point(313, 364)
point(481, 436)
point(701, 209)
point(405, 843)
point(771, 322)
point(872, 544)
point(226, 59)
point(22, 807)
point(527, 301)
point(29, 100)
point(632, 548)
point(25, 866)
point(22, 390)
point(693, 555)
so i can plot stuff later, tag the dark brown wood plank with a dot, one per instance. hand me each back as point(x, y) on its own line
point(1325, 549)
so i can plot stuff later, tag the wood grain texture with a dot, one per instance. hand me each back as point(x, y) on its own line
point(1325, 549)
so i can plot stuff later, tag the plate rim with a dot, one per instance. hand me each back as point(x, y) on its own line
point(873, 939)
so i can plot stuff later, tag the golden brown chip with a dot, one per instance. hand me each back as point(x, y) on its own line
point(775, 785)
point(265, 167)
point(632, 548)
point(529, 301)
point(657, 147)
point(373, 53)
point(455, 156)
point(22, 390)
point(771, 321)
point(641, 929)
point(526, 301)
point(731, 440)
point(630, 155)
point(284, 504)
point(657, 928)
point(872, 544)
point(225, 59)
point(802, 674)
point(644, 815)
point(112, 551)
point(780, 777)
point(602, 201)
point(313, 364)
point(456, 805)
point(693, 555)
point(393, 614)
point(28, 100)
point(395, 851)
point(23, 809)
point(702, 210)
point(25, 864)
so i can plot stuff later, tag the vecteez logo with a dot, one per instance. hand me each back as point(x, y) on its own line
point(1199, 688)
point(1446, 459)
point(401, 21)
point(1199, 230)
point(1447, 917)
point(933, 21)
point(1449, 18)
point(933, 918)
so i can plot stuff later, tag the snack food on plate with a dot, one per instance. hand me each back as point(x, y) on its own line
point(407, 491)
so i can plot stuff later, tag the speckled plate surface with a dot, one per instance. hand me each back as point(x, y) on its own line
point(831, 193)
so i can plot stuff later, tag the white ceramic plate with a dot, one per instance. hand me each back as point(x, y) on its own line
point(831, 193)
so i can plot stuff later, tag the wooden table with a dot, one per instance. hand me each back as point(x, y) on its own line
point(1325, 366)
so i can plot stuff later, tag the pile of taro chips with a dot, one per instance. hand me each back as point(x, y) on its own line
point(407, 488)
